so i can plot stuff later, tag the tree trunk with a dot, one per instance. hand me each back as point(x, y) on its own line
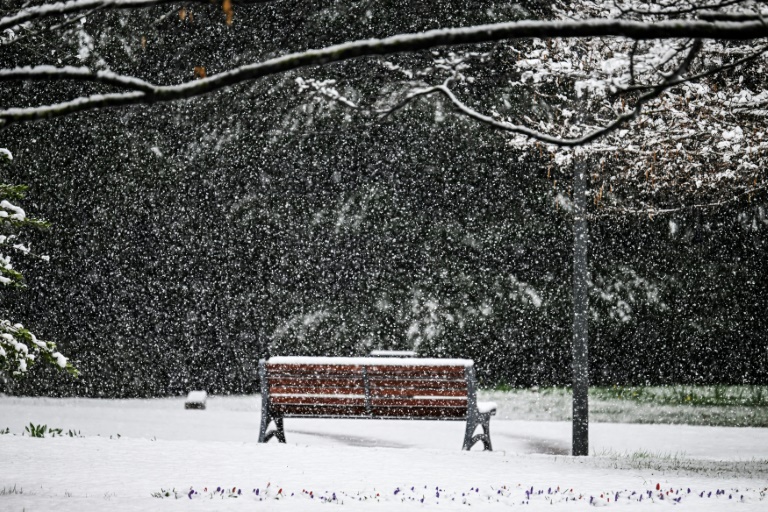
point(580, 313)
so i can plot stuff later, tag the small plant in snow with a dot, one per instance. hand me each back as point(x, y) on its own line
point(167, 493)
point(40, 431)
point(5, 491)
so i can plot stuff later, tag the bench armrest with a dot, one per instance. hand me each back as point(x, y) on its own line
point(486, 407)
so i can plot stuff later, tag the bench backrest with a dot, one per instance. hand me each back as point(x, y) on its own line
point(369, 387)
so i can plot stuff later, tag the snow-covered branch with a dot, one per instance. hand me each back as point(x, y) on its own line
point(78, 6)
point(49, 73)
point(615, 124)
point(589, 28)
point(20, 349)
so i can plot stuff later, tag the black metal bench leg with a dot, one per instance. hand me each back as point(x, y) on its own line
point(266, 418)
point(278, 432)
point(266, 413)
point(473, 421)
point(486, 436)
point(470, 429)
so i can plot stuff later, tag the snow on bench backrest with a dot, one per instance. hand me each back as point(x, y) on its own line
point(370, 361)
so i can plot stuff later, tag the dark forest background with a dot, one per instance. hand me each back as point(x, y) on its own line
point(189, 240)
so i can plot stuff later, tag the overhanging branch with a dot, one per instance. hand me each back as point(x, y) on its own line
point(670, 29)
point(76, 6)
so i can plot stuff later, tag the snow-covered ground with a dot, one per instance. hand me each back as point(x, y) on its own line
point(134, 449)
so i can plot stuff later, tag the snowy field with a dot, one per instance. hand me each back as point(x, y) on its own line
point(155, 455)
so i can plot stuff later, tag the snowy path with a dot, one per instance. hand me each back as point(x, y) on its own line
point(163, 446)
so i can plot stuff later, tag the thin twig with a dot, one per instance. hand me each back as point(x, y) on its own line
point(703, 74)
point(663, 211)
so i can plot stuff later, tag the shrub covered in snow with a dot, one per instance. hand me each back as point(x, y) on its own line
point(19, 348)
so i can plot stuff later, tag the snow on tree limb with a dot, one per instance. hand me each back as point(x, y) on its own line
point(668, 29)
point(79, 6)
point(673, 79)
point(47, 73)
point(607, 62)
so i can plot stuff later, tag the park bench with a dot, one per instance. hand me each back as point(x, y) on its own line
point(372, 388)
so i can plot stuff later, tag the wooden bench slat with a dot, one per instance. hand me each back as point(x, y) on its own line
point(393, 392)
point(405, 380)
point(425, 371)
point(317, 400)
point(418, 384)
point(420, 412)
point(418, 402)
point(315, 380)
point(320, 410)
point(315, 390)
point(313, 369)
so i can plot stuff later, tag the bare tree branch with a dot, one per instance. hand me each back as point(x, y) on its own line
point(605, 212)
point(395, 44)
